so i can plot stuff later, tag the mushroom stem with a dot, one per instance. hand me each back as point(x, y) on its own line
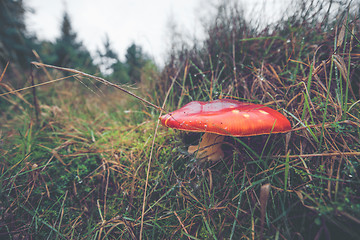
point(209, 148)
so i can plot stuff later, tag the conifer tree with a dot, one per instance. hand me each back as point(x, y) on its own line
point(136, 60)
point(108, 57)
point(69, 51)
point(15, 41)
point(111, 66)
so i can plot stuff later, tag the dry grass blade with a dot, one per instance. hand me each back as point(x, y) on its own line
point(99, 79)
point(3, 73)
point(264, 195)
point(322, 155)
point(182, 224)
point(11, 91)
point(341, 35)
point(151, 153)
point(43, 68)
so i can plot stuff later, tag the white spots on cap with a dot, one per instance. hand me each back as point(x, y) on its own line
point(263, 112)
point(244, 114)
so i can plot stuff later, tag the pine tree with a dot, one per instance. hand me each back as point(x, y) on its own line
point(136, 60)
point(108, 57)
point(15, 42)
point(69, 51)
point(111, 66)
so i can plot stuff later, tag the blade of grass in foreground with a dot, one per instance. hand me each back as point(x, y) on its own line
point(211, 231)
point(37, 217)
point(151, 153)
point(326, 103)
point(287, 167)
point(238, 206)
point(307, 97)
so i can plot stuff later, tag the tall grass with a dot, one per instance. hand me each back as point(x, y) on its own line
point(294, 66)
point(80, 171)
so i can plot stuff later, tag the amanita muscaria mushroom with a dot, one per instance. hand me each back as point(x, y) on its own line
point(224, 117)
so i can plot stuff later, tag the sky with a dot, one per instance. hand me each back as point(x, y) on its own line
point(143, 22)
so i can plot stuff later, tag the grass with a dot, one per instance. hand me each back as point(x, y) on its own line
point(90, 162)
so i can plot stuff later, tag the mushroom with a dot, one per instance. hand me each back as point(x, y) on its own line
point(224, 117)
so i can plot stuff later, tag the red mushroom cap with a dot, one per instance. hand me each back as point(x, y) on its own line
point(227, 117)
